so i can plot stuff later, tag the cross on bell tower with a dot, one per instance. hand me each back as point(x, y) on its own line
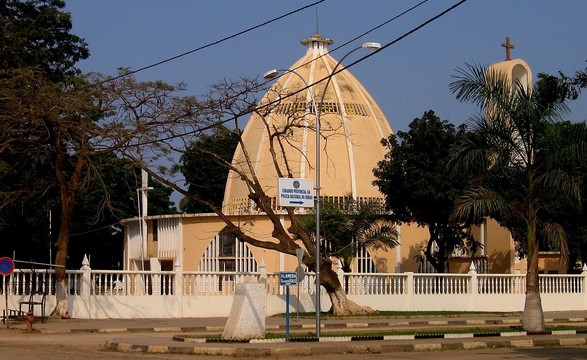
point(508, 46)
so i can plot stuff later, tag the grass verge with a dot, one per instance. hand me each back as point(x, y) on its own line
point(375, 333)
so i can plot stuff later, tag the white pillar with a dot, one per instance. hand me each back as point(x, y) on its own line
point(584, 273)
point(178, 290)
point(474, 291)
point(409, 289)
point(84, 308)
point(263, 277)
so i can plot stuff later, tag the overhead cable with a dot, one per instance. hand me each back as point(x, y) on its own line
point(131, 72)
point(235, 117)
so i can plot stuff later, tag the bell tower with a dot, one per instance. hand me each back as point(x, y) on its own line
point(514, 69)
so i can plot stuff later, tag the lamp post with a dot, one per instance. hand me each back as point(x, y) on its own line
point(271, 74)
point(142, 202)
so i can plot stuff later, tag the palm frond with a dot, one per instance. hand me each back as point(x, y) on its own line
point(561, 182)
point(488, 89)
point(479, 203)
point(380, 234)
point(470, 155)
point(555, 234)
point(469, 84)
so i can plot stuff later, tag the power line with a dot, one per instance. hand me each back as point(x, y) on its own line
point(95, 230)
point(131, 72)
point(396, 40)
point(336, 48)
point(242, 32)
point(441, 14)
point(236, 117)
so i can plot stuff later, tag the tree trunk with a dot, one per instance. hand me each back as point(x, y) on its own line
point(68, 188)
point(439, 266)
point(341, 305)
point(533, 316)
point(61, 308)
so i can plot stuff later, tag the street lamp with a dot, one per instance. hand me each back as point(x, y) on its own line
point(368, 45)
point(271, 74)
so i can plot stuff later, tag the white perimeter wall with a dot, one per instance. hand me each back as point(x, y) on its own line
point(95, 295)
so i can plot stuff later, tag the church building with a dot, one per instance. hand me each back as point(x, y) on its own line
point(352, 125)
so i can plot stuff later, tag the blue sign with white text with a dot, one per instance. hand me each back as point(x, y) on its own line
point(287, 278)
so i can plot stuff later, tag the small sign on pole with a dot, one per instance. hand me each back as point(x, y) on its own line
point(6, 266)
point(287, 278)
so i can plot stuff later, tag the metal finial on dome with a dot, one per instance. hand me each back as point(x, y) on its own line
point(317, 42)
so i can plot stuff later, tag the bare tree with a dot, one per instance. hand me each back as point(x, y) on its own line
point(232, 100)
point(71, 124)
point(68, 125)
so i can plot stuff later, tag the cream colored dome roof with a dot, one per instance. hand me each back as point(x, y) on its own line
point(352, 125)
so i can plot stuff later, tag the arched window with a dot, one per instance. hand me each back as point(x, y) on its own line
point(364, 263)
point(361, 262)
point(519, 73)
point(226, 253)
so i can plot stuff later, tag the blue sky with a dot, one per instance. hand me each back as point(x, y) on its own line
point(406, 79)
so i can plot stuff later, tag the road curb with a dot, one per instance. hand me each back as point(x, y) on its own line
point(338, 326)
point(288, 349)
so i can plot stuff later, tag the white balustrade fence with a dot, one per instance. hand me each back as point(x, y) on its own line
point(95, 294)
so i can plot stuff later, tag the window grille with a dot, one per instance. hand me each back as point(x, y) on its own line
point(363, 261)
point(325, 108)
point(226, 253)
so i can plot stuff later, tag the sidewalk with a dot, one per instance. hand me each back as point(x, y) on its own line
point(176, 335)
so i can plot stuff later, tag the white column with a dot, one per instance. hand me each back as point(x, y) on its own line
point(84, 309)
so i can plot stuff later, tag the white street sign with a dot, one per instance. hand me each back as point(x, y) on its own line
point(295, 192)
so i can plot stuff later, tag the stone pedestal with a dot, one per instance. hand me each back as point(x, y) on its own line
point(247, 315)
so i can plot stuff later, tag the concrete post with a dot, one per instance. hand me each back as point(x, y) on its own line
point(584, 273)
point(409, 291)
point(473, 288)
point(178, 290)
point(340, 274)
point(84, 308)
point(263, 278)
point(177, 279)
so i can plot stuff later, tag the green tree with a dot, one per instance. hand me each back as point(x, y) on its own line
point(36, 34)
point(350, 225)
point(513, 153)
point(561, 87)
point(563, 209)
point(72, 127)
point(418, 188)
point(30, 224)
point(204, 167)
point(109, 197)
point(34, 37)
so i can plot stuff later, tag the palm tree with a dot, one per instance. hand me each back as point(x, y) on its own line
point(518, 161)
point(350, 225)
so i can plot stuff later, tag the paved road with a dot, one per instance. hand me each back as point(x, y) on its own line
point(86, 339)
point(566, 353)
point(90, 346)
